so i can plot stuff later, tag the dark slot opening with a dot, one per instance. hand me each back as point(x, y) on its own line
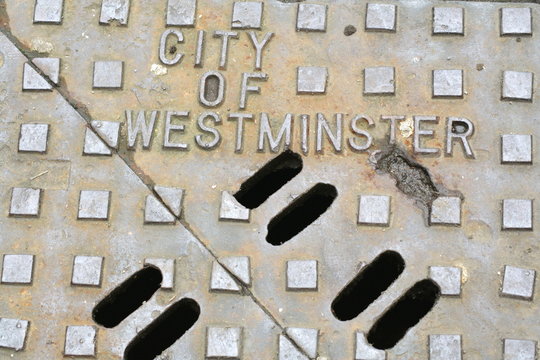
point(405, 313)
point(211, 88)
point(269, 179)
point(368, 285)
point(300, 213)
point(127, 297)
point(163, 331)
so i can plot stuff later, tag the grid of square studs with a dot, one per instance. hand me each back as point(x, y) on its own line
point(108, 74)
point(94, 205)
point(223, 343)
point(302, 275)
point(87, 270)
point(381, 17)
point(519, 349)
point(80, 341)
point(445, 347)
point(374, 210)
point(516, 149)
point(25, 202)
point(518, 282)
point(448, 278)
point(311, 17)
point(247, 15)
point(447, 83)
point(517, 214)
point(33, 138)
point(516, 21)
point(311, 80)
point(446, 210)
point(448, 21)
point(13, 333)
point(17, 269)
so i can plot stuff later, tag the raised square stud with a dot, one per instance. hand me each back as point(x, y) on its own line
point(518, 282)
point(302, 275)
point(448, 21)
point(446, 210)
point(25, 202)
point(48, 11)
point(167, 270)
point(80, 341)
point(311, 80)
point(516, 149)
point(231, 209)
point(221, 280)
point(17, 269)
point(379, 81)
point(247, 15)
point(517, 214)
point(519, 349)
point(374, 210)
point(13, 333)
point(365, 351)
point(445, 347)
point(447, 83)
point(32, 80)
point(181, 12)
point(381, 17)
point(94, 204)
point(114, 11)
point(516, 21)
point(33, 138)
point(156, 213)
point(108, 132)
point(448, 278)
point(517, 85)
point(108, 74)
point(306, 339)
point(87, 270)
point(223, 343)
point(311, 17)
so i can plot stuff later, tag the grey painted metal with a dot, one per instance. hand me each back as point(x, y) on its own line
point(498, 98)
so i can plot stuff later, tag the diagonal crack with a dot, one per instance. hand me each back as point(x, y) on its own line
point(83, 112)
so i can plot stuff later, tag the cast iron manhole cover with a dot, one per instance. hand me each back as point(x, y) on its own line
point(268, 180)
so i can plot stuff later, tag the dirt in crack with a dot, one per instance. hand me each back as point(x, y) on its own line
point(411, 178)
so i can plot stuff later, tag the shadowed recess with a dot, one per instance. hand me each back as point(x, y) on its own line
point(405, 313)
point(300, 213)
point(368, 285)
point(164, 331)
point(127, 297)
point(269, 179)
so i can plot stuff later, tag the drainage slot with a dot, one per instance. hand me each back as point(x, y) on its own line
point(163, 331)
point(405, 313)
point(269, 179)
point(300, 213)
point(368, 285)
point(127, 297)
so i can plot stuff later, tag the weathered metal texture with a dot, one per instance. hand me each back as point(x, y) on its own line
point(482, 230)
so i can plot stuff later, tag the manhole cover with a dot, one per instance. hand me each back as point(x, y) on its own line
point(268, 180)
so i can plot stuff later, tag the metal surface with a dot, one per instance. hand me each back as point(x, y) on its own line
point(126, 128)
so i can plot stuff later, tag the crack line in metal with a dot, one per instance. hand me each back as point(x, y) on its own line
point(148, 182)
